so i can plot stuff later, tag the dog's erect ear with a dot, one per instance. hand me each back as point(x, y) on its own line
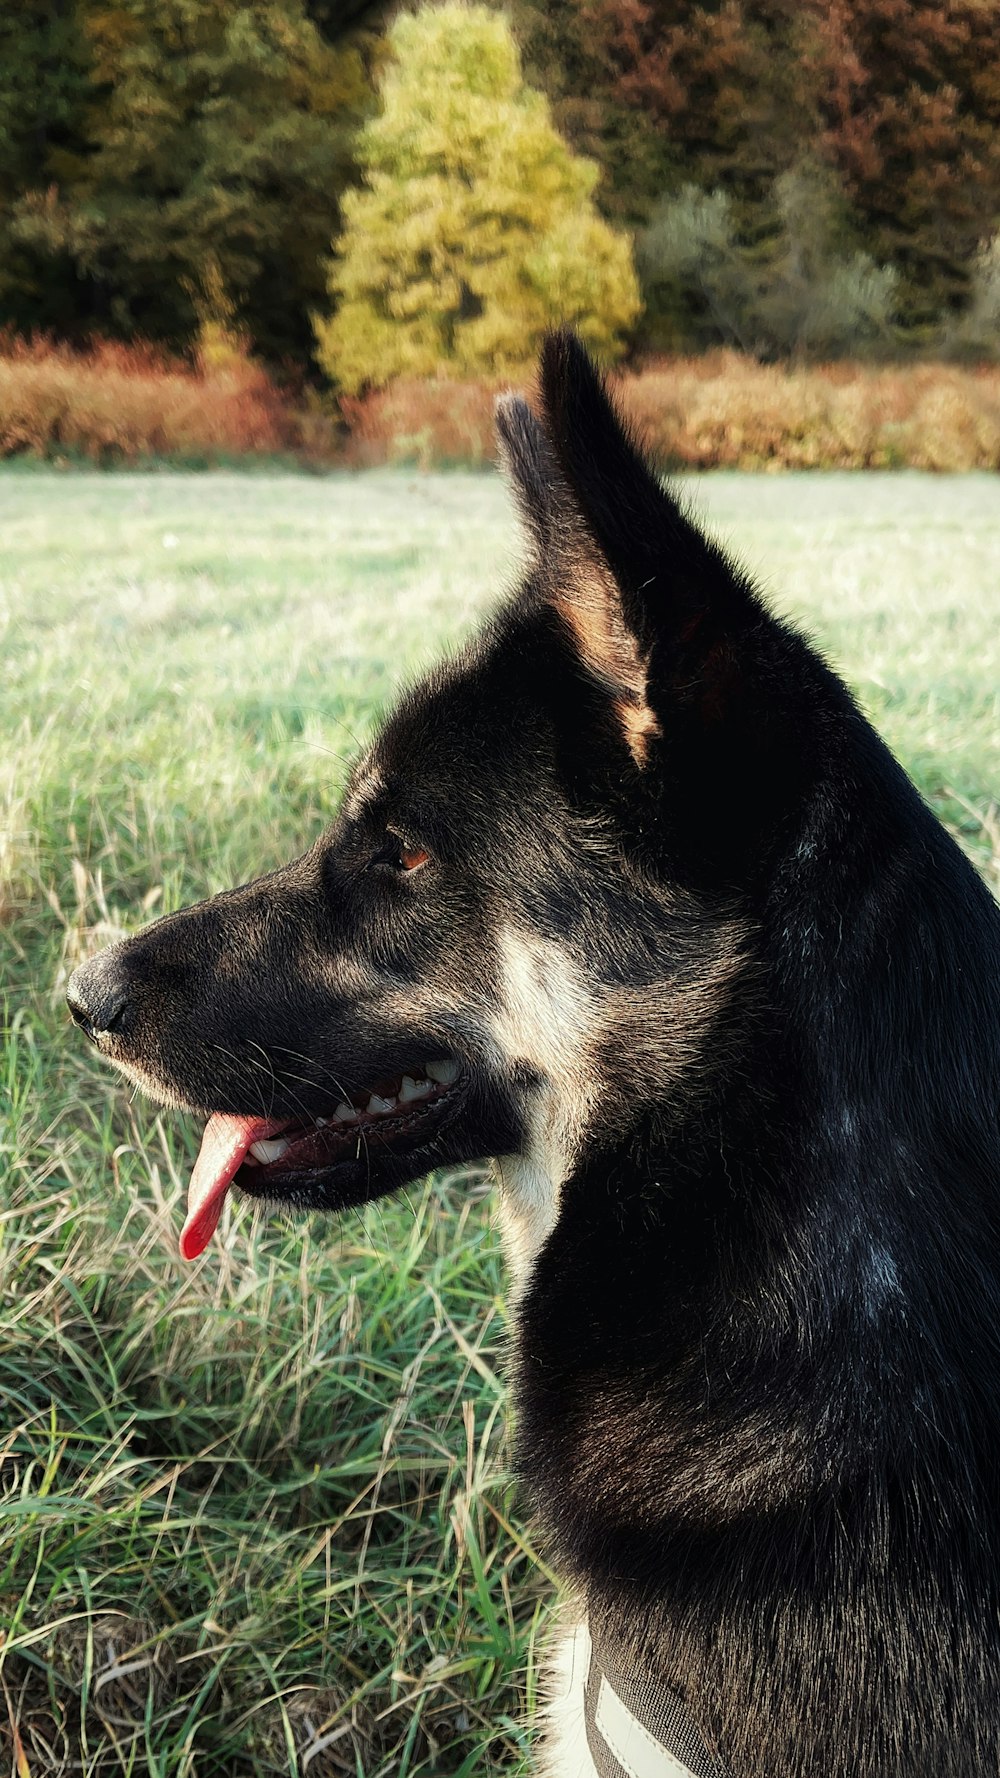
point(530, 465)
point(574, 577)
point(639, 528)
point(650, 593)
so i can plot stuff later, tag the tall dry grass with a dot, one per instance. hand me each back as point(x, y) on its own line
point(116, 403)
point(434, 422)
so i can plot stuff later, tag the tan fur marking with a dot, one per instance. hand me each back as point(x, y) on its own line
point(552, 1016)
point(597, 638)
point(593, 613)
point(640, 726)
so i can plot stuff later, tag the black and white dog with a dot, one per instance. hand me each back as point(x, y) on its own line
point(631, 897)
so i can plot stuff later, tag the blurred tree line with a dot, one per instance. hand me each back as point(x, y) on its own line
point(147, 146)
point(799, 176)
point(786, 162)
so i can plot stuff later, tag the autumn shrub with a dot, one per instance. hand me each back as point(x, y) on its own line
point(431, 422)
point(123, 404)
point(724, 410)
point(119, 404)
point(728, 411)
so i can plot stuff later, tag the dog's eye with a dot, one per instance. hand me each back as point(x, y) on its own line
point(401, 855)
point(411, 857)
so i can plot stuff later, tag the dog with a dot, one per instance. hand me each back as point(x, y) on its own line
point(629, 896)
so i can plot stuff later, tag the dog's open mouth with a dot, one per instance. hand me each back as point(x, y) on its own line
point(399, 1114)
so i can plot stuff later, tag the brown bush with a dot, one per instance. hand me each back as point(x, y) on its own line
point(430, 422)
point(725, 411)
point(117, 403)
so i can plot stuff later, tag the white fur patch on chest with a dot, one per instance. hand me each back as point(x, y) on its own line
point(548, 1016)
point(564, 1751)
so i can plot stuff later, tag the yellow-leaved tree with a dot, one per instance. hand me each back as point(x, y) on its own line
point(476, 228)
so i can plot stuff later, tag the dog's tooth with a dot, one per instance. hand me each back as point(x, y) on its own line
point(412, 1090)
point(321, 1123)
point(271, 1150)
point(445, 1073)
point(377, 1107)
point(345, 1114)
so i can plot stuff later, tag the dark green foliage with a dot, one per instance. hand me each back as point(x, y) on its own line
point(799, 288)
point(43, 95)
point(214, 134)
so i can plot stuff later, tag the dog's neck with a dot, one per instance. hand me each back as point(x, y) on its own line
point(738, 1343)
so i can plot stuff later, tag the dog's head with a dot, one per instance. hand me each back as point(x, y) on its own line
point(516, 938)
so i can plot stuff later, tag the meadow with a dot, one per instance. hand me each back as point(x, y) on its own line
point(255, 1513)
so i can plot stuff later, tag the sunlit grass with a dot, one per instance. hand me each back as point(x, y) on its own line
point(254, 1515)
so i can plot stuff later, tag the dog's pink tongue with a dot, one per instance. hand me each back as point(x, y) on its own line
point(223, 1147)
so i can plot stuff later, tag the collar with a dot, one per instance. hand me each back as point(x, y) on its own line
point(637, 1727)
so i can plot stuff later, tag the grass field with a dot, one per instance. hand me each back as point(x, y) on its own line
point(254, 1515)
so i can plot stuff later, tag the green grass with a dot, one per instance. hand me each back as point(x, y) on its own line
point(254, 1515)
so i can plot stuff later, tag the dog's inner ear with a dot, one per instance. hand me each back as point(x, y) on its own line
point(588, 599)
point(572, 573)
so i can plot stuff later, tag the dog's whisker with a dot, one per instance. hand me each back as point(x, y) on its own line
point(242, 1066)
point(320, 1072)
point(267, 1064)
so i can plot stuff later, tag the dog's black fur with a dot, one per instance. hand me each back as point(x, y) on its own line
point(757, 1369)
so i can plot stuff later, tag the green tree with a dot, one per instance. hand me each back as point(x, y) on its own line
point(476, 228)
point(44, 93)
point(803, 290)
point(975, 333)
point(218, 135)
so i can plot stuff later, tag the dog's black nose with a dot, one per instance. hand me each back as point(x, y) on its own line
point(97, 995)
